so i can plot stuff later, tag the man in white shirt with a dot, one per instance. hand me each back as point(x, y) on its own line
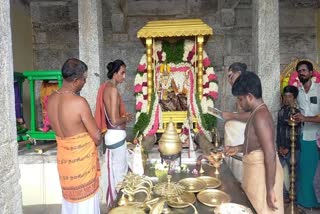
point(309, 104)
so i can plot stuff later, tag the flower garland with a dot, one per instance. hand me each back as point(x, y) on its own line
point(210, 87)
point(195, 109)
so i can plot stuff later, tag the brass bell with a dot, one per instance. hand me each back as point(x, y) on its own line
point(170, 143)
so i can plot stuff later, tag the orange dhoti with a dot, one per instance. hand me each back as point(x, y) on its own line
point(254, 182)
point(78, 166)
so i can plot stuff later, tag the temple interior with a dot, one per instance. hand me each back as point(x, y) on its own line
point(177, 54)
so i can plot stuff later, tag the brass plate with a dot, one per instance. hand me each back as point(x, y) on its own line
point(213, 197)
point(182, 201)
point(193, 184)
point(212, 182)
point(126, 210)
point(233, 208)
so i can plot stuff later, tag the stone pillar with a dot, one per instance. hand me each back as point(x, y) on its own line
point(10, 197)
point(266, 58)
point(90, 46)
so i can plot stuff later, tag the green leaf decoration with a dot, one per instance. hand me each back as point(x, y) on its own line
point(144, 118)
point(174, 51)
point(141, 124)
point(208, 121)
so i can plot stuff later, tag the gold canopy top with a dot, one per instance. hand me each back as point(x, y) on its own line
point(175, 28)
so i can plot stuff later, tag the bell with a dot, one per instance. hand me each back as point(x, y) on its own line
point(170, 143)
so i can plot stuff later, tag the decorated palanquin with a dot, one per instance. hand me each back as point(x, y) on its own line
point(289, 75)
point(175, 80)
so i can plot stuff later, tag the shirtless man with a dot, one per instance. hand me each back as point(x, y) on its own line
point(262, 173)
point(115, 120)
point(77, 137)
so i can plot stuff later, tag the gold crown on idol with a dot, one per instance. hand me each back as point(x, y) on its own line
point(165, 67)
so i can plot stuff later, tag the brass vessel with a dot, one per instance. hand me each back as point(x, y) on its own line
point(170, 143)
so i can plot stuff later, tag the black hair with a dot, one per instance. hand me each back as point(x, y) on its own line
point(246, 83)
point(291, 89)
point(73, 69)
point(114, 67)
point(305, 62)
point(238, 67)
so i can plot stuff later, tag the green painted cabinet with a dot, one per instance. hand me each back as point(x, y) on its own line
point(39, 75)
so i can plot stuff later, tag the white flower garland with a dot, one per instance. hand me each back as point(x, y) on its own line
point(142, 80)
point(197, 112)
point(152, 117)
point(209, 71)
point(143, 60)
point(205, 78)
point(188, 46)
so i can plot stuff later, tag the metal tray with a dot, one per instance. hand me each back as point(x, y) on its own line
point(212, 182)
point(193, 184)
point(213, 197)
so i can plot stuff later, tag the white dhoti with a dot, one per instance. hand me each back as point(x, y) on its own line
point(90, 206)
point(116, 161)
point(233, 136)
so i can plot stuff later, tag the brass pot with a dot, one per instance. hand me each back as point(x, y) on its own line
point(170, 143)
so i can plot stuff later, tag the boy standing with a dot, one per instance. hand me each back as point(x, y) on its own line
point(289, 96)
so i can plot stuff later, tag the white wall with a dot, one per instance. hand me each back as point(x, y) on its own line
point(40, 184)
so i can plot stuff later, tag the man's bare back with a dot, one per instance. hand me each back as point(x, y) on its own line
point(77, 137)
point(65, 117)
point(70, 115)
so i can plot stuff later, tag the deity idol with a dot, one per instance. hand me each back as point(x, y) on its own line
point(170, 97)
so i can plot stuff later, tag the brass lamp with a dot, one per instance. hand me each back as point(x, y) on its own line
point(216, 156)
point(170, 143)
point(292, 208)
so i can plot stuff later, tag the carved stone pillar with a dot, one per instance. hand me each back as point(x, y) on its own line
point(90, 46)
point(11, 199)
point(266, 57)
